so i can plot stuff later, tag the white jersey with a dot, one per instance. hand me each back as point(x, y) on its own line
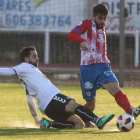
point(36, 84)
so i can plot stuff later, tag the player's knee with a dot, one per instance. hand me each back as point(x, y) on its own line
point(91, 104)
point(79, 125)
point(70, 107)
point(114, 90)
point(91, 107)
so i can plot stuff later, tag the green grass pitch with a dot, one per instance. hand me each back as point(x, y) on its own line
point(17, 123)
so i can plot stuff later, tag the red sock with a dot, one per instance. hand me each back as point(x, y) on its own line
point(85, 106)
point(123, 101)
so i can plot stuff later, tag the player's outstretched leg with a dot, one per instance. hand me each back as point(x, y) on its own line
point(135, 112)
point(104, 120)
point(88, 124)
point(87, 115)
point(60, 125)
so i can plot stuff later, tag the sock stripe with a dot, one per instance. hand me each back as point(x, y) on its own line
point(64, 124)
point(84, 113)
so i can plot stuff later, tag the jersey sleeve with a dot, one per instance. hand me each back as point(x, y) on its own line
point(7, 71)
point(82, 27)
point(74, 36)
point(20, 68)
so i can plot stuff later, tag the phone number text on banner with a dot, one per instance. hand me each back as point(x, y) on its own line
point(37, 20)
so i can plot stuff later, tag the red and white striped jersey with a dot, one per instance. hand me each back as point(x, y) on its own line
point(96, 39)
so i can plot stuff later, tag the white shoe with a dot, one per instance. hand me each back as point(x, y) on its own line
point(89, 124)
point(135, 112)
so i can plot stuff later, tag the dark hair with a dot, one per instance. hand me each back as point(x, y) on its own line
point(25, 52)
point(100, 9)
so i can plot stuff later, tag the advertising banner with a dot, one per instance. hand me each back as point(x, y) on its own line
point(41, 15)
point(132, 22)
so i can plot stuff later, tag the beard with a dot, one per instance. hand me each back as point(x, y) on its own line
point(101, 26)
point(34, 64)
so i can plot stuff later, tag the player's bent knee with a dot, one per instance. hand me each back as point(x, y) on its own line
point(70, 107)
point(91, 104)
point(91, 107)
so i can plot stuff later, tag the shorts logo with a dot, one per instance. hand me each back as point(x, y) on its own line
point(88, 94)
point(107, 73)
point(59, 99)
point(68, 97)
point(88, 85)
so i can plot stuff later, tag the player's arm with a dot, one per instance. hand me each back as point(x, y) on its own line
point(7, 72)
point(33, 110)
point(74, 35)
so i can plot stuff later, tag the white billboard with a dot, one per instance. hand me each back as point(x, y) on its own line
point(41, 15)
point(61, 15)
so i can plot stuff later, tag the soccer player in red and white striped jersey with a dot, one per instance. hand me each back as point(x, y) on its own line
point(95, 71)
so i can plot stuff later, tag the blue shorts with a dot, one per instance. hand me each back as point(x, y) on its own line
point(92, 76)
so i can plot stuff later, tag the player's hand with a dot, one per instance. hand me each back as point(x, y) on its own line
point(84, 46)
point(37, 123)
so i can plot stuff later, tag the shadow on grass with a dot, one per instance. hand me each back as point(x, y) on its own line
point(33, 131)
point(101, 132)
point(26, 131)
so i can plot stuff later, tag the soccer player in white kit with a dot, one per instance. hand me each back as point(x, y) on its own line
point(51, 102)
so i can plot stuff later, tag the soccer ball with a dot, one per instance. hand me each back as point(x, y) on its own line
point(125, 122)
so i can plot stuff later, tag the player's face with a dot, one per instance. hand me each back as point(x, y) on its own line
point(100, 20)
point(33, 58)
